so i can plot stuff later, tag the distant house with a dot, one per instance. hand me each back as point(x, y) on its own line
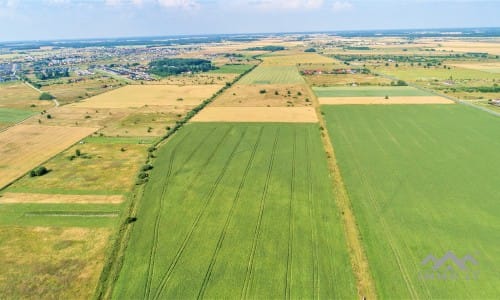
point(495, 102)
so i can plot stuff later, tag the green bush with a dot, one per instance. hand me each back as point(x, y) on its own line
point(46, 96)
point(39, 171)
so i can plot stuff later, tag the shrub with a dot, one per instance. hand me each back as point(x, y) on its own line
point(39, 171)
point(78, 152)
point(46, 96)
point(262, 91)
point(142, 175)
point(146, 167)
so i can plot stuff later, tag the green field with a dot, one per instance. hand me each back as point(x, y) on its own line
point(273, 75)
point(77, 215)
point(369, 91)
point(11, 115)
point(423, 180)
point(427, 74)
point(232, 69)
point(238, 211)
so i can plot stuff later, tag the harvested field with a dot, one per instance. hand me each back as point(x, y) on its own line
point(289, 58)
point(51, 262)
point(382, 100)
point(492, 67)
point(102, 168)
point(24, 147)
point(59, 198)
point(197, 79)
point(257, 114)
point(69, 92)
point(273, 75)
point(151, 95)
point(140, 121)
point(265, 95)
point(19, 95)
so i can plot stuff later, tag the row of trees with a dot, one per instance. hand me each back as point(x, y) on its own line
point(175, 66)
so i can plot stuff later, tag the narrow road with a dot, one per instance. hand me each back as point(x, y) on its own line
point(56, 103)
point(359, 261)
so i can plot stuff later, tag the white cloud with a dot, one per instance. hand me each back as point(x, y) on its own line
point(283, 4)
point(338, 6)
point(184, 4)
point(113, 2)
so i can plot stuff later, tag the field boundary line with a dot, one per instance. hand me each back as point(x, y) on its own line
point(222, 236)
point(359, 261)
point(312, 215)
point(454, 99)
point(289, 260)
point(152, 255)
point(249, 271)
point(166, 277)
point(210, 156)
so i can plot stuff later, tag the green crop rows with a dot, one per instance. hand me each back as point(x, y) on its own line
point(273, 75)
point(369, 91)
point(423, 180)
point(238, 211)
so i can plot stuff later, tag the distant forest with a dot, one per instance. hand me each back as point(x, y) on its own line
point(175, 66)
point(266, 48)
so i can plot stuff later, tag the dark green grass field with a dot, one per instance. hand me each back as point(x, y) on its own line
point(423, 180)
point(238, 211)
point(369, 91)
point(232, 69)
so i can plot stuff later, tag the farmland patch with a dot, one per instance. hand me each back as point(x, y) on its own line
point(151, 95)
point(23, 147)
point(383, 100)
point(257, 114)
point(273, 75)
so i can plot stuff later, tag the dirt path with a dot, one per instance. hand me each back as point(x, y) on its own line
point(359, 262)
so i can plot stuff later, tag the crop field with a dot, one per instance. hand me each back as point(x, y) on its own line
point(492, 67)
point(265, 95)
point(23, 147)
point(69, 92)
point(151, 95)
point(273, 75)
point(232, 69)
point(383, 100)
point(51, 263)
point(257, 114)
point(325, 80)
point(369, 91)
point(123, 122)
point(12, 115)
point(423, 180)
point(61, 198)
point(89, 173)
point(429, 74)
point(18, 95)
point(289, 58)
point(238, 211)
point(197, 79)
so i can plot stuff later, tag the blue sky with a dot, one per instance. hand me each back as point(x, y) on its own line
point(53, 19)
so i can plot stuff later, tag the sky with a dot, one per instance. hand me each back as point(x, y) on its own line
point(74, 19)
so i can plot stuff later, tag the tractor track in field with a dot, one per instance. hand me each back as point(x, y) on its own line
point(165, 278)
point(289, 259)
point(312, 215)
point(151, 263)
point(152, 254)
point(249, 271)
point(357, 255)
point(388, 235)
point(222, 236)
